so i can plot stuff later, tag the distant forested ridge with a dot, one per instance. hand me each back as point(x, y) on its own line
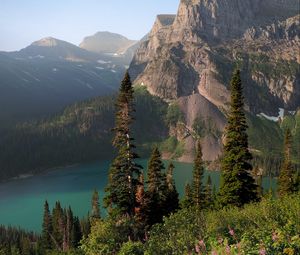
point(82, 133)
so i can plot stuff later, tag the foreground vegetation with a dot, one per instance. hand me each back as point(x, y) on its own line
point(269, 227)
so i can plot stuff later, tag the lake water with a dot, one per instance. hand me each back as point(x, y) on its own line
point(21, 201)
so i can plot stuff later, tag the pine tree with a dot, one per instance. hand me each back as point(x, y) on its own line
point(95, 206)
point(58, 226)
point(140, 201)
point(47, 228)
point(124, 172)
point(155, 175)
point(76, 233)
point(208, 196)
point(285, 180)
point(237, 185)
point(297, 181)
point(198, 172)
point(171, 202)
point(155, 195)
point(68, 228)
point(188, 198)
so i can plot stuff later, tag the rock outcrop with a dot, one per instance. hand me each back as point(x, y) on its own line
point(195, 52)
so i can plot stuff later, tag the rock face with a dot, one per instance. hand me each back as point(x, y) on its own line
point(195, 52)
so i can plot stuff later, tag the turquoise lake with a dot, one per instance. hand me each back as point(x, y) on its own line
point(21, 201)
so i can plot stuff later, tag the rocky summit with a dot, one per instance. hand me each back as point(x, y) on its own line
point(189, 57)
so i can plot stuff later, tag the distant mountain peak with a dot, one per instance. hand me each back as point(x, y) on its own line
point(47, 42)
point(106, 42)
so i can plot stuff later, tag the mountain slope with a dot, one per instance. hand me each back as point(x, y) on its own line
point(195, 52)
point(50, 74)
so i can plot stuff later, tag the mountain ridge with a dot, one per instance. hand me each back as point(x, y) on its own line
point(198, 51)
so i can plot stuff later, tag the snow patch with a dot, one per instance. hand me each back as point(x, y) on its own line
point(89, 86)
point(273, 118)
point(102, 61)
point(99, 67)
point(113, 71)
point(31, 76)
point(54, 69)
point(39, 56)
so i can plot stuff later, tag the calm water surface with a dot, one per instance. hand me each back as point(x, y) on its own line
point(21, 201)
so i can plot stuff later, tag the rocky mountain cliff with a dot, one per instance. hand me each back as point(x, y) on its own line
point(195, 52)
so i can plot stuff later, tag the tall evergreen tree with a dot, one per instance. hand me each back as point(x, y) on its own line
point(156, 178)
point(285, 180)
point(76, 233)
point(188, 196)
point(208, 196)
point(58, 226)
point(155, 195)
point(46, 228)
point(171, 202)
point(124, 171)
point(237, 185)
point(198, 172)
point(95, 206)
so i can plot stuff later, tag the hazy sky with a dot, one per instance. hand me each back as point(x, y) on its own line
point(25, 21)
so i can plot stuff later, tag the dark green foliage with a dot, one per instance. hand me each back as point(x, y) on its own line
point(187, 200)
point(156, 178)
point(285, 180)
point(15, 241)
point(237, 185)
point(64, 234)
point(156, 189)
point(208, 194)
point(95, 206)
point(124, 172)
point(171, 203)
point(198, 172)
point(174, 115)
point(46, 240)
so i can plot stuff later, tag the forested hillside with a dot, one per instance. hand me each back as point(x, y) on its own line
point(82, 133)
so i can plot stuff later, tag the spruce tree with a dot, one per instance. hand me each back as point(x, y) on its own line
point(188, 198)
point(76, 233)
point(155, 195)
point(285, 180)
point(58, 225)
point(198, 172)
point(124, 172)
point(208, 196)
point(46, 228)
point(155, 175)
point(140, 201)
point(237, 185)
point(171, 202)
point(95, 206)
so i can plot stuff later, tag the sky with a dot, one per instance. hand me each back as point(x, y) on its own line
point(25, 21)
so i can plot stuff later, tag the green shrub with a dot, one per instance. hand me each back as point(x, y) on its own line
point(271, 226)
point(132, 248)
point(174, 114)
